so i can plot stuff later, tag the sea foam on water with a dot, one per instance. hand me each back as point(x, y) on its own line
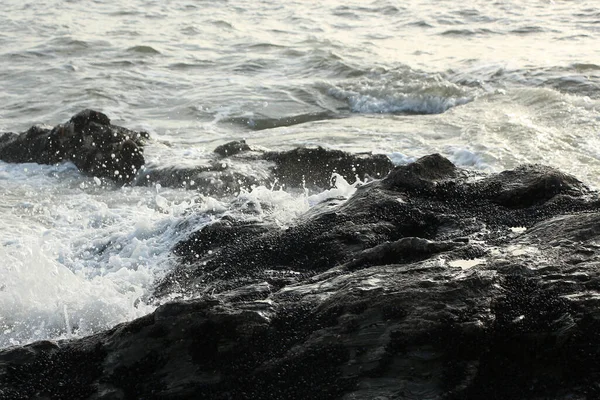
point(83, 261)
point(88, 259)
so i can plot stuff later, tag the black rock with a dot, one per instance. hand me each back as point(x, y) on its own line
point(88, 140)
point(424, 174)
point(213, 179)
point(313, 167)
point(298, 168)
point(232, 148)
point(34, 145)
point(419, 286)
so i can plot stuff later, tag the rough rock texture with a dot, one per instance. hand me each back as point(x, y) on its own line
point(232, 148)
point(313, 167)
point(298, 168)
point(104, 150)
point(88, 140)
point(214, 178)
point(418, 287)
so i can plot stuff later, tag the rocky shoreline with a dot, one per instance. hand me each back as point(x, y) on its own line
point(98, 148)
point(432, 282)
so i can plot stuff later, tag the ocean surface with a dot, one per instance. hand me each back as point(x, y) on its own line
point(488, 84)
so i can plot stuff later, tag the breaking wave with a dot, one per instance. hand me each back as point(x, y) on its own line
point(392, 94)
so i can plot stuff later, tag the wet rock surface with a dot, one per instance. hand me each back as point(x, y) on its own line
point(101, 149)
point(228, 173)
point(313, 167)
point(88, 140)
point(432, 283)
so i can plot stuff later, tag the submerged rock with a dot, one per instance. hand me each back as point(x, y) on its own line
point(232, 148)
point(314, 167)
point(88, 140)
point(417, 287)
point(104, 150)
point(213, 179)
point(297, 168)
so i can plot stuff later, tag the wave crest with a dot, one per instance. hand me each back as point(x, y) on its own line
point(394, 93)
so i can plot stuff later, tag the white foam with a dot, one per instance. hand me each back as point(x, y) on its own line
point(341, 188)
point(42, 298)
point(283, 207)
point(401, 103)
point(392, 94)
point(465, 157)
point(400, 158)
point(77, 257)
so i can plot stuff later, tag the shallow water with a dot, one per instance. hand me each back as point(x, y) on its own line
point(488, 84)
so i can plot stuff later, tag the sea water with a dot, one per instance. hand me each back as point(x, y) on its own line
point(488, 84)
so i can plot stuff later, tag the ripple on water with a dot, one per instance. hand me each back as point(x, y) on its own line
point(530, 29)
point(143, 49)
point(581, 67)
point(219, 23)
point(468, 32)
point(198, 64)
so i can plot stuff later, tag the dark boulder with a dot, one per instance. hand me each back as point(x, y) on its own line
point(212, 179)
point(232, 148)
point(34, 145)
point(411, 214)
point(313, 167)
point(423, 174)
point(218, 234)
point(432, 283)
point(88, 140)
point(228, 174)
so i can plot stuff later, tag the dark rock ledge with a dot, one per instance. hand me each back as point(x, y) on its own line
point(88, 140)
point(101, 149)
point(300, 167)
point(418, 287)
